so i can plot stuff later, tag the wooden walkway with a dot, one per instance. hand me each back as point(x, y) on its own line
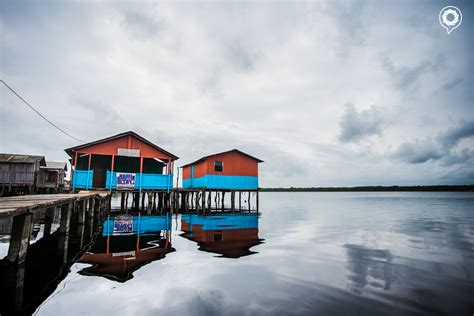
point(22, 209)
point(15, 205)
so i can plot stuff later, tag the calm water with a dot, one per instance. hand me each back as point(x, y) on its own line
point(307, 253)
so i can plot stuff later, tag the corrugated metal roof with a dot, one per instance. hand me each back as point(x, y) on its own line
point(17, 158)
point(55, 165)
point(225, 152)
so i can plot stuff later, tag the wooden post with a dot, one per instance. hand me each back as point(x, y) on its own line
point(203, 200)
point(20, 237)
point(240, 201)
point(81, 215)
point(209, 201)
point(49, 216)
point(66, 210)
point(96, 214)
point(232, 195)
point(249, 200)
point(257, 201)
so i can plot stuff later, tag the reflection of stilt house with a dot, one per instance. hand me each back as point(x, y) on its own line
point(128, 243)
point(230, 235)
point(126, 160)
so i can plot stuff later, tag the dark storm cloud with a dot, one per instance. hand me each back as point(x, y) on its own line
point(421, 151)
point(356, 126)
point(418, 152)
point(452, 136)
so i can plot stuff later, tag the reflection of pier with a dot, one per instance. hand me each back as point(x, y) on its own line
point(230, 235)
point(369, 267)
point(127, 243)
point(32, 271)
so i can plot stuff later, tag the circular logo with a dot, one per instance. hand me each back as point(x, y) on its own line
point(450, 18)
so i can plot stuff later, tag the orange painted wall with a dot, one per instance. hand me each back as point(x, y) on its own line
point(187, 172)
point(129, 142)
point(199, 170)
point(235, 164)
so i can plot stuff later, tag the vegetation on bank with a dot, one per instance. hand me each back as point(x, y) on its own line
point(435, 188)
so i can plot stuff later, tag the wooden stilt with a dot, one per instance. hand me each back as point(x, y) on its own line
point(249, 200)
point(20, 237)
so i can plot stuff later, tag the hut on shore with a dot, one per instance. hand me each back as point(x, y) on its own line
point(232, 170)
point(51, 178)
point(19, 173)
point(123, 161)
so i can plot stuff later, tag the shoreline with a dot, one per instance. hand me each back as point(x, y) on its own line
point(395, 188)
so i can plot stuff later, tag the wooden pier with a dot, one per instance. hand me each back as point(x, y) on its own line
point(214, 200)
point(181, 200)
point(84, 206)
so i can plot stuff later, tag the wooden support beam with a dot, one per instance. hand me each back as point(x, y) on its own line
point(20, 237)
point(240, 201)
point(249, 200)
point(48, 218)
point(81, 212)
point(258, 204)
point(66, 210)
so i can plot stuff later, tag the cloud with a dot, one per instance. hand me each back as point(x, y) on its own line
point(356, 126)
point(453, 136)
point(270, 78)
point(405, 76)
point(453, 83)
point(418, 152)
point(441, 148)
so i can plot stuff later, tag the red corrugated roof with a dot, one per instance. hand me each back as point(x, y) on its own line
point(70, 150)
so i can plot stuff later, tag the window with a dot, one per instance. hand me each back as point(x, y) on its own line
point(218, 237)
point(218, 166)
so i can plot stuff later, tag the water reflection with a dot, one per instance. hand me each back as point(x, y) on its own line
point(127, 243)
point(229, 235)
point(50, 254)
point(368, 267)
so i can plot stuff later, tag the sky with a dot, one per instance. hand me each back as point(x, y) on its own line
point(327, 93)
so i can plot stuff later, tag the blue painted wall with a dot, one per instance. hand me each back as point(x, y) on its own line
point(144, 181)
point(222, 222)
point(211, 181)
point(82, 179)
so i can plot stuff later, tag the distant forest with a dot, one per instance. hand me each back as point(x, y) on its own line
point(435, 188)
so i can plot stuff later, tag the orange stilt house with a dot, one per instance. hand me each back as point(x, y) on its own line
point(123, 161)
point(231, 170)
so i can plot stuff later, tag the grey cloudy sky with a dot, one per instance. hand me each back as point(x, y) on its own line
point(327, 93)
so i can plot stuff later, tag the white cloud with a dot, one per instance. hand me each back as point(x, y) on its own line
point(269, 78)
